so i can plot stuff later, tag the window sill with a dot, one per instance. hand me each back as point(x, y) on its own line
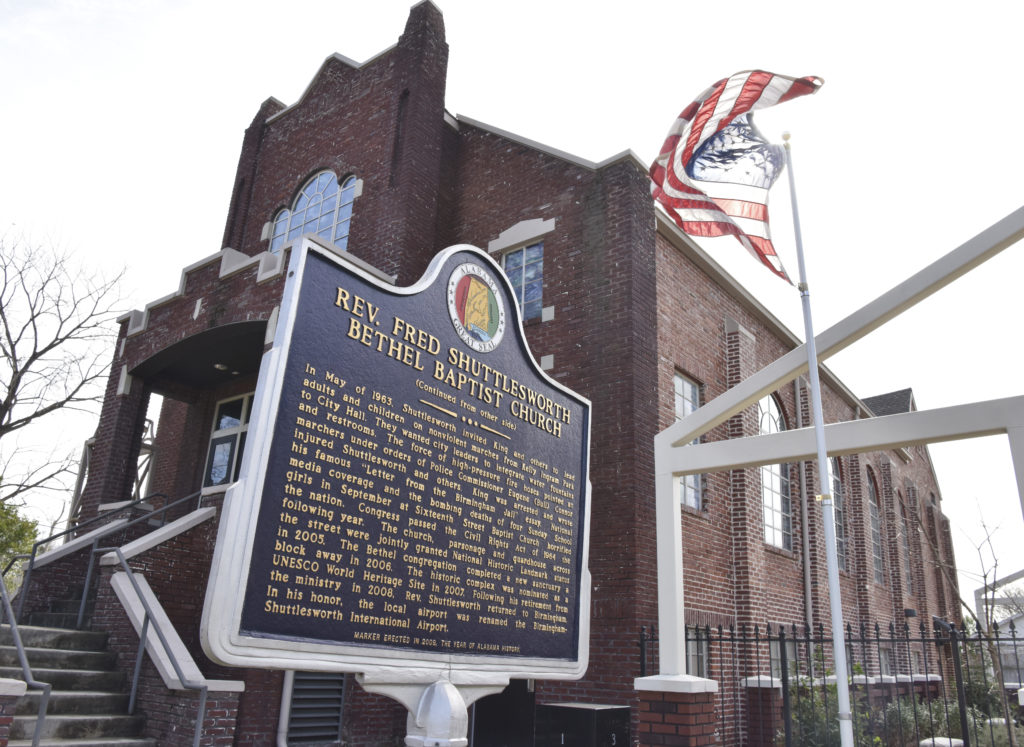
point(215, 489)
point(780, 551)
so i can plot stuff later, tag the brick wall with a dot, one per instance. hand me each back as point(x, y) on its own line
point(676, 719)
point(382, 122)
point(715, 339)
point(170, 714)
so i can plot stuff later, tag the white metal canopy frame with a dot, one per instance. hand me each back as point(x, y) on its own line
point(871, 434)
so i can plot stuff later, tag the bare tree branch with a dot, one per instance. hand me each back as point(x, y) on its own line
point(985, 625)
point(23, 472)
point(56, 329)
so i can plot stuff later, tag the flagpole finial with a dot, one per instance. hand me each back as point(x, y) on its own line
point(785, 140)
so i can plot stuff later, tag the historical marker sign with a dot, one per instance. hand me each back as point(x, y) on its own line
point(416, 488)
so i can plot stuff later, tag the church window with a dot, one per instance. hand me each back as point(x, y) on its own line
point(323, 208)
point(525, 270)
point(908, 567)
point(687, 399)
point(839, 513)
point(778, 516)
point(874, 514)
point(227, 441)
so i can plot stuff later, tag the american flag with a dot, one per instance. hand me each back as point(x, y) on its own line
point(715, 168)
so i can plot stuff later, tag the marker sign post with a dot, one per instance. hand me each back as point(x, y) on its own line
point(414, 504)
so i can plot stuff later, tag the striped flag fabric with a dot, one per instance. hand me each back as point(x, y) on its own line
point(715, 169)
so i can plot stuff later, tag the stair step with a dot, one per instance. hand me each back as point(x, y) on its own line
point(71, 679)
point(64, 702)
point(78, 727)
point(53, 658)
point(71, 605)
point(62, 638)
point(57, 619)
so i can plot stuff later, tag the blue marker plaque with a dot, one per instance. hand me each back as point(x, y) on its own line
point(422, 485)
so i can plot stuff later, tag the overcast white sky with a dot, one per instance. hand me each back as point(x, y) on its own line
point(122, 121)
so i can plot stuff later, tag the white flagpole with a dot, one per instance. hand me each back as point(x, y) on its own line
point(828, 512)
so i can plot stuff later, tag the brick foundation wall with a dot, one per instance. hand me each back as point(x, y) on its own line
point(371, 720)
point(669, 719)
point(10, 692)
point(64, 579)
point(170, 714)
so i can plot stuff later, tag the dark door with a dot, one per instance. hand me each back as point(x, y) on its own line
point(505, 719)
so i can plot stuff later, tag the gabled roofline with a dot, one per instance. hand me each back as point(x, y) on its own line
point(689, 249)
point(336, 57)
point(546, 149)
point(684, 244)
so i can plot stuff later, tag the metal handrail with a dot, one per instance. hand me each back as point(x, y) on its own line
point(202, 687)
point(78, 527)
point(92, 555)
point(106, 517)
point(26, 670)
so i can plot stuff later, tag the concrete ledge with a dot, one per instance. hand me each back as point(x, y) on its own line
point(78, 543)
point(231, 261)
point(161, 535)
point(585, 706)
point(132, 604)
point(12, 688)
point(108, 507)
point(675, 683)
point(762, 680)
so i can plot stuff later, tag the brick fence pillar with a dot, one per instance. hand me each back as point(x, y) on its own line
point(10, 691)
point(765, 718)
point(676, 711)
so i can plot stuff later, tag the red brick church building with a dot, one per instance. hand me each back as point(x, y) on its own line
point(617, 304)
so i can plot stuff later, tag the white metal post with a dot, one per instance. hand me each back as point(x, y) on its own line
point(827, 513)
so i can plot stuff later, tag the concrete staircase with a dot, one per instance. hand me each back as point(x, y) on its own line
point(88, 702)
point(62, 614)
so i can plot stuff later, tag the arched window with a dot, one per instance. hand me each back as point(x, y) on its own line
point(778, 515)
point(839, 512)
point(322, 208)
point(908, 566)
point(875, 516)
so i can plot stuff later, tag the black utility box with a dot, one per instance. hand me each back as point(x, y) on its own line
point(582, 725)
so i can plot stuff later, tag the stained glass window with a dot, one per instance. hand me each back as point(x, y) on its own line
point(525, 270)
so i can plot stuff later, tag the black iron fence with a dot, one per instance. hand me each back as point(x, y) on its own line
point(907, 684)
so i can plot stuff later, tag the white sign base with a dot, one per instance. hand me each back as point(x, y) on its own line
point(438, 711)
